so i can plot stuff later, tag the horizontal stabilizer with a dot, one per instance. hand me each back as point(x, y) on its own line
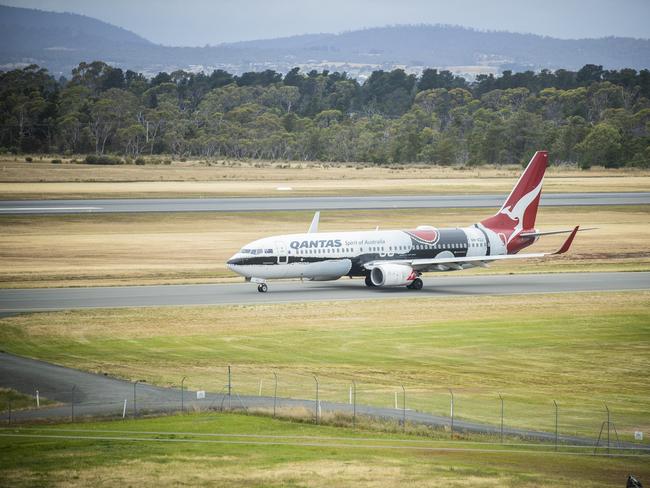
point(553, 232)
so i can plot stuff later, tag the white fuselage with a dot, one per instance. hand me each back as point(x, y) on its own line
point(330, 255)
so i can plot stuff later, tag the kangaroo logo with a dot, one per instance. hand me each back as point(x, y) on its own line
point(517, 211)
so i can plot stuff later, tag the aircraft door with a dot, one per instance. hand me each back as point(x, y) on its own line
point(281, 249)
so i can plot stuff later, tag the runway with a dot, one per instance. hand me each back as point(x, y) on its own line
point(435, 286)
point(305, 203)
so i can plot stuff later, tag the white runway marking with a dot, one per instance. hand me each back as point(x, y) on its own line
point(41, 209)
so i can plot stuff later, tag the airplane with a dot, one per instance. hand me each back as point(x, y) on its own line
point(391, 258)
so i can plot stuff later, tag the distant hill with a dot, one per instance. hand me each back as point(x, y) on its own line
point(59, 41)
point(444, 45)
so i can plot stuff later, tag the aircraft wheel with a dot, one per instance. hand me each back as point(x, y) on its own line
point(416, 285)
point(369, 282)
point(262, 288)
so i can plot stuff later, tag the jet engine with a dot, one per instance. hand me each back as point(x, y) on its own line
point(392, 275)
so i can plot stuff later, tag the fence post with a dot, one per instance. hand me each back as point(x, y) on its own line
point(135, 404)
point(501, 398)
point(354, 405)
point(124, 410)
point(555, 403)
point(10, 412)
point(275, 392)
point(38, 400)
point(403, 409)
point(317, 400)
point(451, 412)
point(182, 388)
point(229, 388)
point(74, 387)
point(607, 408)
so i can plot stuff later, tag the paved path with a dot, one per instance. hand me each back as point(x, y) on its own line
point(306, 203)
point(435, 286)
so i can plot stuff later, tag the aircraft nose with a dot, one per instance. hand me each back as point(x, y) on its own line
point(234, 264)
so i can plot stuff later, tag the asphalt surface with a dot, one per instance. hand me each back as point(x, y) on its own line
point(44, 299)
point(305, 203)
point(97, 395)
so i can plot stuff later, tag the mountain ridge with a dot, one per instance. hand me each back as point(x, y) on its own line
point(59, 41)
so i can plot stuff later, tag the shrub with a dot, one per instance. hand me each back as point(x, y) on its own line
point(103, 159)
point(140, 161)
point(56, 161)
point(29, 159)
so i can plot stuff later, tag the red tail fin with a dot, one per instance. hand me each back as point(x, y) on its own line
point(520, 208)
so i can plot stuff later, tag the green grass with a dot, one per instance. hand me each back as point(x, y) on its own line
point(17, 401)
point(581, 350)
point(171, 451)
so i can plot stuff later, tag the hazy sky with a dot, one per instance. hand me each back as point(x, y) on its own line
point(200, 22)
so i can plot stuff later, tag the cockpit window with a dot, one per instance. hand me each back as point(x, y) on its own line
point(268, 251)
point(245, 251)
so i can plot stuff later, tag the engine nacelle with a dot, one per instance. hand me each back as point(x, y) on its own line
point(392, 275)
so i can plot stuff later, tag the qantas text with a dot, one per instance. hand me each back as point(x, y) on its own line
point(319, 243)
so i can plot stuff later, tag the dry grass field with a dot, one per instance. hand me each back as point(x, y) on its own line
point(43, 180)
point(112, 249)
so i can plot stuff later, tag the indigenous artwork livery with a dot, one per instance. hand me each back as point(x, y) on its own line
point(399, 257)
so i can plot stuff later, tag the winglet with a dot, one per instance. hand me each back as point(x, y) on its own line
point(567, 244)
point(313, 228)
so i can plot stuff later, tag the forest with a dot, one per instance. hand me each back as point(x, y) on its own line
point(587, 117)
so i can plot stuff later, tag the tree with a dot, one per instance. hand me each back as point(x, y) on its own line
point(390, 93)
point(97, 77)
point(588, 74)
point(431, 79)
point(603, 96)
point(328, 117)
point(133, 139)
point(281, 97)
point(109, 113)
point(601, 146)
point(568, 136)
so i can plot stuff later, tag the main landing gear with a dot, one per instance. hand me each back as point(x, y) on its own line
point(416, 285)
point(262, 288)
point(369, 282)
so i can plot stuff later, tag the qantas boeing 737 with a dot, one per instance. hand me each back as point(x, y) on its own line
point(399, 257)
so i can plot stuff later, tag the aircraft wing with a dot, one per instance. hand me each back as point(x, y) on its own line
point(482, 261)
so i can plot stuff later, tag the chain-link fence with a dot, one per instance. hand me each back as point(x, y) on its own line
point(314, 396)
